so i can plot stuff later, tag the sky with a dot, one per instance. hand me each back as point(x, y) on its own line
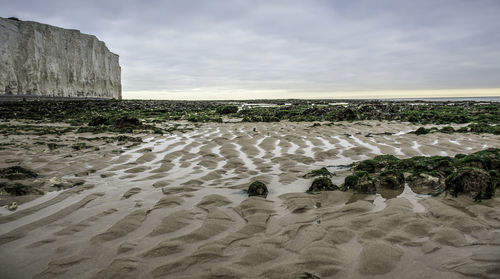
point(247, 49)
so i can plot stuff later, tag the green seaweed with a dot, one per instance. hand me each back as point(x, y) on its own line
point(319, 172)
point(17, 172)
point(388, 172)
point(226, 109)
point(257, 188)
point(322, 183)
point(479, 183)
point(18, 189)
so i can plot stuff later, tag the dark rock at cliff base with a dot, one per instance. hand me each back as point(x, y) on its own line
point(127, 124)
point(98, 121)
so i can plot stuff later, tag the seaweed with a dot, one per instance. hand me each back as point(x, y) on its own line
point(476, 173)
point(17, 172)
point(480, 184)
point(226, 109)
point(319, 172)
point(18, 189)
point(361, 182)
point(257, 188)
point(322, 183)
point(95, 113)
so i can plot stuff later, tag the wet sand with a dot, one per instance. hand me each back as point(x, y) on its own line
point(174, 206)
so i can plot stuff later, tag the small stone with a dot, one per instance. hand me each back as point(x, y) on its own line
point(12, 206)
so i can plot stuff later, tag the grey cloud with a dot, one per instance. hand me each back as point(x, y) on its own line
point(292, 45)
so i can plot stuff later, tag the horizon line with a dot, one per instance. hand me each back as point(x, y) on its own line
point(233, 95)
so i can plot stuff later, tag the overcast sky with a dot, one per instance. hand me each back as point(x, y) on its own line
point(232, 49)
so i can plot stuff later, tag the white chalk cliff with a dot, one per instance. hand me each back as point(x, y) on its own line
point(44, 60)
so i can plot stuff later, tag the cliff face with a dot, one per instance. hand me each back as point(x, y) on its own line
point(44, 60)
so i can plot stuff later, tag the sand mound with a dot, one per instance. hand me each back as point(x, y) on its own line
point(379, 258)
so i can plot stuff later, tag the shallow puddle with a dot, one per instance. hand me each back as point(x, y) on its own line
point(413, 198)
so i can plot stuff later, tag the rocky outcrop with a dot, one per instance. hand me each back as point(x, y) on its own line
point(43, 60)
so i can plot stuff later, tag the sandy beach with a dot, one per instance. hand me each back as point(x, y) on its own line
point(175, 206)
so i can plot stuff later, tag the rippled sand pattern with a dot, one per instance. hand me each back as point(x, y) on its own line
point(174, 207)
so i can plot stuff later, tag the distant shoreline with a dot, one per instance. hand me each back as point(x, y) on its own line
point(437, 99)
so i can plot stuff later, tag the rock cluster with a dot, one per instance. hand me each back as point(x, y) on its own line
point(476, 174)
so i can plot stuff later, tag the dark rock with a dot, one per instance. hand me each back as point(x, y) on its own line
point(322, 183)
point(257, 188)
point(376, 164)
point(226, 109)
point(18, 189)
point(319, 172)
point(367, 165)
point(308, 275)
point(426, 184)
point(361, 182)
point(99, 121)
point(422, 131)
point(391, 179)
point(127, 122)
point(488, 159)
point(460, 156)
point(17, 172)
point(447, 130)
point(478, 183)
point(348, 114)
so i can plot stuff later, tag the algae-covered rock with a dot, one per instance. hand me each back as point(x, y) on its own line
point(361, 182)
point(99, 121)
point(378, 163)
point(257, 188)
point(391, 179)
point(367, 165)
point(447, 130)
point(424, 183)
point(18, 189)
point(127, 122)
point(319, 172)
point(488, 159)
point(308, 275)
point(17, 172)
point(322, 183)
point(226, 109)
point(422, 131)
point(476, 173)
point(478, 183)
